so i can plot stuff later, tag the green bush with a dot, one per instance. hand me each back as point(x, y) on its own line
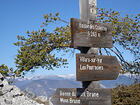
point(126, 95)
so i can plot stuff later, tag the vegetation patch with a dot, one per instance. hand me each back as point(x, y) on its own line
point(126, 95)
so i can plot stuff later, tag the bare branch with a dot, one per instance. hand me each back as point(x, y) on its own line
point(122, 60)
point(100, 51)
point(63, 20)
point(107, 52)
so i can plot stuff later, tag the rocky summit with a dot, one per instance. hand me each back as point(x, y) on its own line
point(11, 95)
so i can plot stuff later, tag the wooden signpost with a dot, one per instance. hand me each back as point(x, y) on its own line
point(86, 34)
point(81, 96)
point(90, 67)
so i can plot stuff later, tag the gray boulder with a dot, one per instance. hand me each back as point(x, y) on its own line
point(11, 95)
point(42, 98)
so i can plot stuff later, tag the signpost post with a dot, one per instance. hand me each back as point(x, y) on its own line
point(88, 36)
point(91, 9)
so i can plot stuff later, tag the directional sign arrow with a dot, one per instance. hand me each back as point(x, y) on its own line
point(80, 96)
point(87, 34)
point(94, 67)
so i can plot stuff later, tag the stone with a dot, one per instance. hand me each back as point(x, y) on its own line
point(29, 94)
point(42, 98)
point(50, 102)
point(1, 80)
point(11, 95)
point(1, 75)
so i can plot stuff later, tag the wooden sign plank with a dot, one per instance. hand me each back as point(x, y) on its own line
point(80, 96)
point(94, 67)
point(86, 34)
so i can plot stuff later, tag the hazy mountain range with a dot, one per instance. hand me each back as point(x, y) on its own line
point(46, 85)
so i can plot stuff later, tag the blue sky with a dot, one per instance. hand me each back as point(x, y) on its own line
point(18, 16)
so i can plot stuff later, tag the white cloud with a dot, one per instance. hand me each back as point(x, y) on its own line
point(67, 76)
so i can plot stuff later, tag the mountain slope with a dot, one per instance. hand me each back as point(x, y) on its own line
point(46, 85)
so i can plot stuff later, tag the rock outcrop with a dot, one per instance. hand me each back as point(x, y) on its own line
point(29, 94)
point(11, 95)
point(42, 100)
point(50, 102)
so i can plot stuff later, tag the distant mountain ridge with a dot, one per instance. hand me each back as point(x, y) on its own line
point(58, 77)
point(46, 85)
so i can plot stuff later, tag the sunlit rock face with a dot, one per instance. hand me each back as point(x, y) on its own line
point(11, 95)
